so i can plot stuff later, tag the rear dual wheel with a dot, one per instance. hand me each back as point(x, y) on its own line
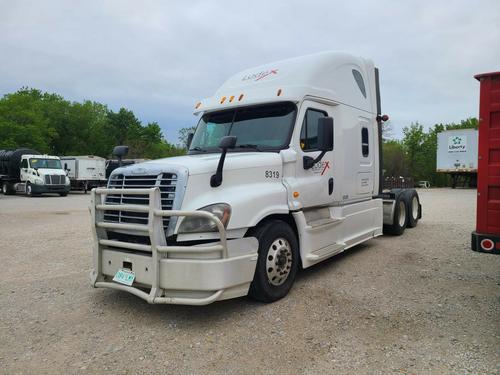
point(406, 212)
point(7, 188)
point(412, 208)
point(399, 219)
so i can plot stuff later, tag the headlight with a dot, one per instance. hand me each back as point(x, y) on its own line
point(66, 180)
point(194, 224)
point(38, 181)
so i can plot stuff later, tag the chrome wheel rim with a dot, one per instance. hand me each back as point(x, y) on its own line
point(279, 261)
point(29, 189)
point(414, 207)
point(402, 213)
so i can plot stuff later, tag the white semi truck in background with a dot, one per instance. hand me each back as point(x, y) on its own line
point(283, 171)
point(27, 171)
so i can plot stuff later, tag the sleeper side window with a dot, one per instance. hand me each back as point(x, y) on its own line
point(24, 163)
point(359, 80)
point(364, 142)
point(309, 131)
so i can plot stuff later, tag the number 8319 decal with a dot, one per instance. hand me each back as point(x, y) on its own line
point(272, 174)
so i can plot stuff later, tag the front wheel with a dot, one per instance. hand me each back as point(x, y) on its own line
point(29, 189)
point(277, 263)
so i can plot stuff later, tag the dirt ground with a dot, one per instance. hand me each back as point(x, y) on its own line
point(419, 303)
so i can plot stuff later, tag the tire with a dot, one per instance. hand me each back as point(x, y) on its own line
point(29, 190)
point(63, 194)
point(277, 263)
point(400, 219)
point(7, 188)
point(412, 208)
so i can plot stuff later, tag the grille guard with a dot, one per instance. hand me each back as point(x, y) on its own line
point(154, 229)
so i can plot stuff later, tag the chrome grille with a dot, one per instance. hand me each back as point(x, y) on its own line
point(167, 183)
point(54, 179)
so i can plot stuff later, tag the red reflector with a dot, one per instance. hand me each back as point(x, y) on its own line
point(487, 244)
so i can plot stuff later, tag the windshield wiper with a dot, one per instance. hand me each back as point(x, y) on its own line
point(248, 145)
point(197, 149)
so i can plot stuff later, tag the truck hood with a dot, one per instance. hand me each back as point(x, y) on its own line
point(205, 163)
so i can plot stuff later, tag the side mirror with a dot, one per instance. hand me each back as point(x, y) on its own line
point(189, 140)
point(325, 141)
point(325, 134)
point(225, 143)
point(120, 151)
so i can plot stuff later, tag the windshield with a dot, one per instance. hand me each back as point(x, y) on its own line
point(264, 127)
point(45, 163)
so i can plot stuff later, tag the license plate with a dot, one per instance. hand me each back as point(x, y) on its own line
point(125, 277)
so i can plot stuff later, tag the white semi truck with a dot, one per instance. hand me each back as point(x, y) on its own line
point(283, 171)
point(26, 171)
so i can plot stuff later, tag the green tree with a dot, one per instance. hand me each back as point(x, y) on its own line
point(49, 123)
point(394, 159)
point(183, 135)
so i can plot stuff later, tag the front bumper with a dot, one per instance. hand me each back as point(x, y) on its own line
point(190, 275)
point(40, 189)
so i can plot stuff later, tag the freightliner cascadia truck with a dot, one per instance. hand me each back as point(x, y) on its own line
point(26, 171)
point(283, 172)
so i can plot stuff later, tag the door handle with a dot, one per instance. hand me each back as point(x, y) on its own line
point(330, 186)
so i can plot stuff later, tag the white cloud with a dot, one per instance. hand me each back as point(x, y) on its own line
point(158, 58)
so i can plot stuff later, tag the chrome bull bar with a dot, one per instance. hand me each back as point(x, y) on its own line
point(158, 244)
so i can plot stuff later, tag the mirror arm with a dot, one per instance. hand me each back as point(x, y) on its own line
point(309, 161)
point(216, 179)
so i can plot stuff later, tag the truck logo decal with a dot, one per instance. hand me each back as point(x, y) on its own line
point(457, 143)
point(321, 167)
point(260, 75)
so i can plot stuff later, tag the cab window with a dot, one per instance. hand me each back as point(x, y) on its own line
point(24, 163)
point(309, 132)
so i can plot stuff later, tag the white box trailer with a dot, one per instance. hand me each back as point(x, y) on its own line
point(85, 172)
point(457, 155)
point(283, 171)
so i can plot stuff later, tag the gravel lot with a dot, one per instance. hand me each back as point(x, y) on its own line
point(419, 303)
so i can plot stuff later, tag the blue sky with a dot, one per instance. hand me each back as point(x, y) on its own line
point(158, 58)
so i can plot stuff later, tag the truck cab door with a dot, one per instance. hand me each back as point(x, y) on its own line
point(316, 185)
point(24, 170)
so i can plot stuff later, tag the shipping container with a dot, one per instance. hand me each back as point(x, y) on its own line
point(486, 237)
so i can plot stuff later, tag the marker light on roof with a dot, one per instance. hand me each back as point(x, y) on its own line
point(240, 97)
point(231, 98)
point(279, 92)
point(197, 105)
point(223, 99)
